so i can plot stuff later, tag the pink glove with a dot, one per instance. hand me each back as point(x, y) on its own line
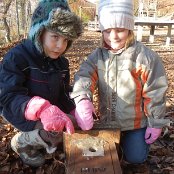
point(83, 114)
point(152, 134)
point(52, 118)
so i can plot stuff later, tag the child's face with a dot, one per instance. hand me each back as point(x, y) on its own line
point(115, 37)
point(53, 44)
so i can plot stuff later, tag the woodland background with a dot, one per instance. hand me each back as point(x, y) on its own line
point(15, 15)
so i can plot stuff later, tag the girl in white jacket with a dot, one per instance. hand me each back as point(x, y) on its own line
point(131, 81)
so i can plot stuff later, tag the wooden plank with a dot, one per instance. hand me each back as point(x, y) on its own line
point(93, 151)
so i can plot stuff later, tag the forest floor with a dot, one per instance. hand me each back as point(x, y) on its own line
point(161, 156)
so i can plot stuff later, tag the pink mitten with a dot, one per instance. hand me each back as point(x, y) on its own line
point(84, 114)
point(152, 134)
point(52, 118)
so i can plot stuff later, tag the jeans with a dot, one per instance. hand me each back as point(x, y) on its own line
point(135, 150)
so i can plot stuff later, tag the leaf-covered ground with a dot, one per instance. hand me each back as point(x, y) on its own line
point(161, 157)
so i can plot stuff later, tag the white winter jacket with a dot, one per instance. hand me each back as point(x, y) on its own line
point(132, 87)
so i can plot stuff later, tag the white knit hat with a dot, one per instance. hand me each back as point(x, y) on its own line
point(116, 14)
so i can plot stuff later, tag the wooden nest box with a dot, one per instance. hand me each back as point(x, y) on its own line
point(94, 151)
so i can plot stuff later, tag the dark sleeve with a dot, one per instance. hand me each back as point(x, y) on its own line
point(67, 103)
point(13, 95)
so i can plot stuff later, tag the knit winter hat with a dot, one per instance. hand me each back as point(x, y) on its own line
point(116, 14)
point(56, 16)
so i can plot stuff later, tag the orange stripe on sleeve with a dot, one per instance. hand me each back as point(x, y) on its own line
point(147, 100)
point(137, 73)
point(94, 78)
point(137, 122)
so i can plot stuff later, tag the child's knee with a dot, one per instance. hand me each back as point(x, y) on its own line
point(136, 156)
point(136, 159)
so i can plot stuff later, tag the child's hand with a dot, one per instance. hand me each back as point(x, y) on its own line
point(84, 114)
point(52, 118)
point(152, 134)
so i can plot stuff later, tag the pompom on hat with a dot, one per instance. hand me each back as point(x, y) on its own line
point(56, 16)
point(116, 14)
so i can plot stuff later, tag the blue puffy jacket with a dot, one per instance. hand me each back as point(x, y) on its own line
point(25, 73)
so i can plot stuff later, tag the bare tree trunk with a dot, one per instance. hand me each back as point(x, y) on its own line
point(17, 19)
point(7, 29)
point(4, 18)
point(28, 17)
point(23, 16)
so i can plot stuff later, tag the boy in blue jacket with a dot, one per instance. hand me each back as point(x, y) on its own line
point(34, 82)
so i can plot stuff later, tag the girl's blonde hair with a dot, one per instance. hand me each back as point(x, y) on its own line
point(129, 42)
point(130, 39)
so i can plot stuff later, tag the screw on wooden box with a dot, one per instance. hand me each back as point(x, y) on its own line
point(94, 151)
